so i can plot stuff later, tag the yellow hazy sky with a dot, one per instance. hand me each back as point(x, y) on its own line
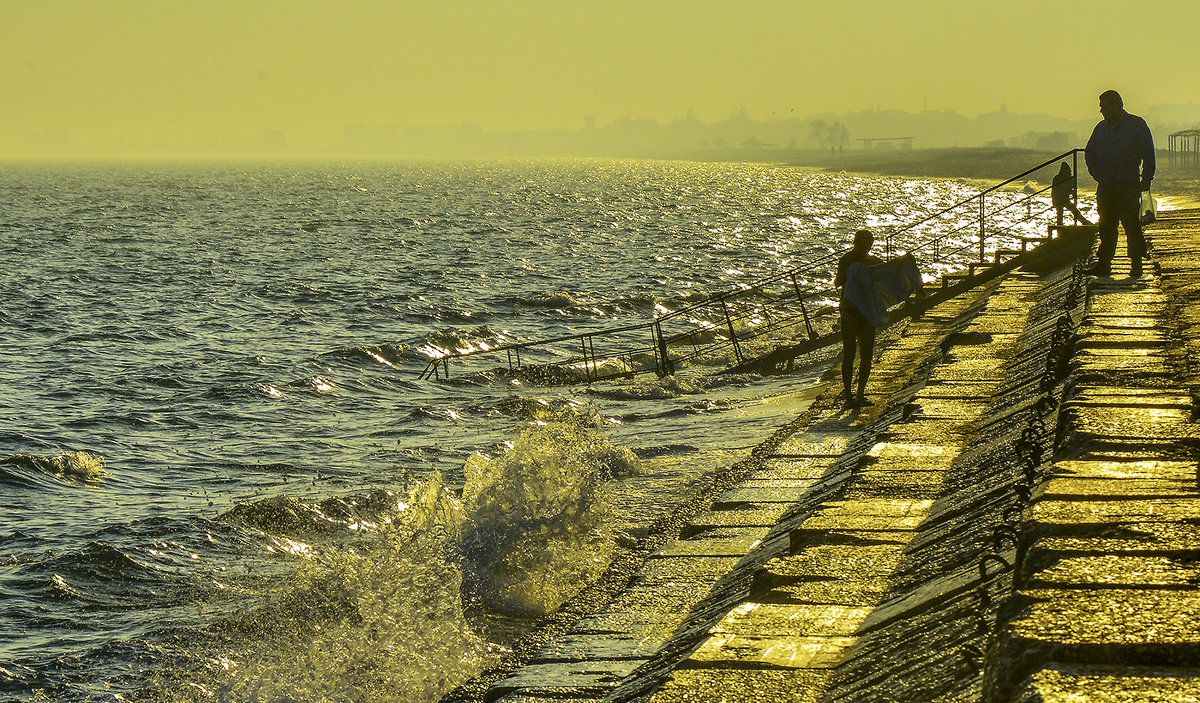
point(170, 72)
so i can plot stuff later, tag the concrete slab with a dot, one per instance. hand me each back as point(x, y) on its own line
point(1133, 397)
point(1116, 449)
point(1112, 683)
point(797, 468)
point(721, 685)
point(944, 431)
point(1131, 423)
point(1127, 361)
point(815, 444)
point(598, 676)
point(722, 542)
point(582, 647)
point(628, 624)
point(863, 592)
point(841, 561)
point(891, 450)
point(1120, 302)
point(1119, 536)
point(1119, 321)
point(1111, 570)
point(1079, 480)
point(788, 652)
point(1128, 470)
point(783, 620)
point(970, 374)
point(903, 483)
point(924, 596)
point(804, 538)
point(1048, 513)
point(758, 515)
point(563, 696)
point(1138, 626)
point(1117, 338)
point(883, 514)
point(674, 569)
point(759, 495)
point(766, 480)
point(954, 409)
point(660, 597)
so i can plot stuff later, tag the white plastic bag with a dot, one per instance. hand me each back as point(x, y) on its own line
point(1148, 210)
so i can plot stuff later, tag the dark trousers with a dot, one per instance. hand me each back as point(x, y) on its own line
point(1118, 203)
point(858, 336)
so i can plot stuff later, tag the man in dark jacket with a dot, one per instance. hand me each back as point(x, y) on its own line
point(1120, 157)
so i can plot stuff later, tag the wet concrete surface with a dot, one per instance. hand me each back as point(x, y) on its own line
point(1016, 519)
point(1106, 602)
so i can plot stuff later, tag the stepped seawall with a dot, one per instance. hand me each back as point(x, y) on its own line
point(1017, 519)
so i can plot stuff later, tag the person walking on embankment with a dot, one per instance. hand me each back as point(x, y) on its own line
point(869, 286)
point(1062, 190)
point(1120, 157)
point(856, 333)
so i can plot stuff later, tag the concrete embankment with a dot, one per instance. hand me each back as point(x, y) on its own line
point(1016, 519)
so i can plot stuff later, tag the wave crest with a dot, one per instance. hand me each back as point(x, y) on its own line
point(378, 618)
point(539, 528)
point(462, 341)
point(72, 467)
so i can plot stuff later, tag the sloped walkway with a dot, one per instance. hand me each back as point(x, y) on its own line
point(685, 589)
point(891, 592)
point(1017, 520)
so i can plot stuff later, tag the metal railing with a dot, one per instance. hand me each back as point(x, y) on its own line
point(795, 307)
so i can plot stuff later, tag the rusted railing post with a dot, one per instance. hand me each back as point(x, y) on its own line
point(665, 366)
point(737, 350)
point(1075, 177)
point(982, 228)
point(586, 373)
point(812, 334)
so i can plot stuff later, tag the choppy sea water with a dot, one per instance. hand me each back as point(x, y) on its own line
point(220, 475)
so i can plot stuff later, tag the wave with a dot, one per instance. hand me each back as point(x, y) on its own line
point(648, 388)
point(555, 300)
point(101, 562)
point(539, 527)
point(373, 510)
point(72, 468)
point(458, 340)
point(665, 450)
point(390, 355)
point(545, 410)
point(375, 614)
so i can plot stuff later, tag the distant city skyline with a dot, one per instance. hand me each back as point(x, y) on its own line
point(209, 78)
point(629, 137)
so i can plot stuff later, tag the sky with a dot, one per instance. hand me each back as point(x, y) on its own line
point(107, 75)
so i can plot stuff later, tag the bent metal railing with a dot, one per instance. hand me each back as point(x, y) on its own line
point(784, 315)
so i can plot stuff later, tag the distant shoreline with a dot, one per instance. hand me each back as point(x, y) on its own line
point(1175, 186)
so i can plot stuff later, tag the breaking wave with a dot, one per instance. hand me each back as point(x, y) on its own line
point(371, 606)
point(371, 611)
point(540, 526)
point(71, 468)
point(458, 340)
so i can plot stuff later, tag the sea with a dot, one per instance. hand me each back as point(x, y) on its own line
point(222, 474)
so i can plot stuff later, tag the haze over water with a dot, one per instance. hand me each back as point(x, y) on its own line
point(137, 79)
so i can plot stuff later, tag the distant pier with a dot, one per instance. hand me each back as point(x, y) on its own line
point(1017, 519)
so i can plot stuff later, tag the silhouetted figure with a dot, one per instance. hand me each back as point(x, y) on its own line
point(1120, 157)
point(1061, 192)
point(857, 334)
